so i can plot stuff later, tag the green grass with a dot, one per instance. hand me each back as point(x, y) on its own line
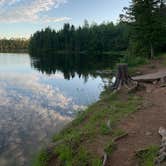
point(147, 156)
point(90, 125)
point(110, 148)
point(118, 133)
point(71, 157)
point(134, 61)
point(104, 129)
point(41, 159)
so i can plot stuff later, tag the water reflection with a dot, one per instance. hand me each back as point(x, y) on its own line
point(83, 65)
point(34, 105)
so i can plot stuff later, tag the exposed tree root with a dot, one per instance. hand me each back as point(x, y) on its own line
point(105, 159)
point(162, 152)
point(106, 155)
point(120, 137)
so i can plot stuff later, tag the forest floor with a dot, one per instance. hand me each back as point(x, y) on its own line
point(136, 117)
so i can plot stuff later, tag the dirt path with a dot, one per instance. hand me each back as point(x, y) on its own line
point(142, 127)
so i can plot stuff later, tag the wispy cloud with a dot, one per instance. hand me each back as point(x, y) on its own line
point(12, 11)
point(47, 19)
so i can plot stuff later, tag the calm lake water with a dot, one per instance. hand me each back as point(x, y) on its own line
point(35, 104)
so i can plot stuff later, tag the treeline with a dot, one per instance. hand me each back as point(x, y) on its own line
point(9, 45)
point(141, 31)
point(86, 38)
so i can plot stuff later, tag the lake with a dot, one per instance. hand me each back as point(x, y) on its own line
point(37, 98)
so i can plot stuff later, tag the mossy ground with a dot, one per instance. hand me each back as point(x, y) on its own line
point(81, 138)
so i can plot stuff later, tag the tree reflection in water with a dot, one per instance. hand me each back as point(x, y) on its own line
point(83, 65)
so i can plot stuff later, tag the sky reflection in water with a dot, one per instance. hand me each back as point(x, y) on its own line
point(33, 106)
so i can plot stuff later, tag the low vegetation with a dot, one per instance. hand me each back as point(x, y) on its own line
point(147, 157)
point(41, 159)
point(81, 139)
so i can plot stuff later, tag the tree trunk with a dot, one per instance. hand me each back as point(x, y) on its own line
point(151, 50)
point(123, 78)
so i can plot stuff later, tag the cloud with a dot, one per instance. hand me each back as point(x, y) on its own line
point(12, 11)
point(38, 93)
point(25, 123)
point(53, 19)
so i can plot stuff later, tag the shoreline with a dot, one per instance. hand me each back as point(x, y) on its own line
point(96, 121)
point(94, 132)
point(15, 51)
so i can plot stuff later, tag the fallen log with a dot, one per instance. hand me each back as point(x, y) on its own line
point(150, 78)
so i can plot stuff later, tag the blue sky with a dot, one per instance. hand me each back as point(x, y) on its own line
point(21, 18)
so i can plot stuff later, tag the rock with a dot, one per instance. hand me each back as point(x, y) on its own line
point(138, 73)
point(155, 82)
point(162, 131)
point(162, 150)
point(163, 144)
point(162, 157)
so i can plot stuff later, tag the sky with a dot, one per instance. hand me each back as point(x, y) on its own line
point(21, 18)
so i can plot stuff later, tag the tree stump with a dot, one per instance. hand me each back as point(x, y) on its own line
point(123, 78)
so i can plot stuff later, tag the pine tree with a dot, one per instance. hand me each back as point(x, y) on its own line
point(145, 19)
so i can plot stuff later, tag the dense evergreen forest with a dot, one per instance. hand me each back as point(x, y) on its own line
point(104, 37)
point(141, 31)
point(12, 45)
point(147, 23)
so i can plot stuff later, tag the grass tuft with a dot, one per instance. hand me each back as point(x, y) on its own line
point(147, 157)
point(110, 148)
point(42, 159)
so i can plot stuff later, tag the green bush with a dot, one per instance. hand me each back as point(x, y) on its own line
point(134, 61)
